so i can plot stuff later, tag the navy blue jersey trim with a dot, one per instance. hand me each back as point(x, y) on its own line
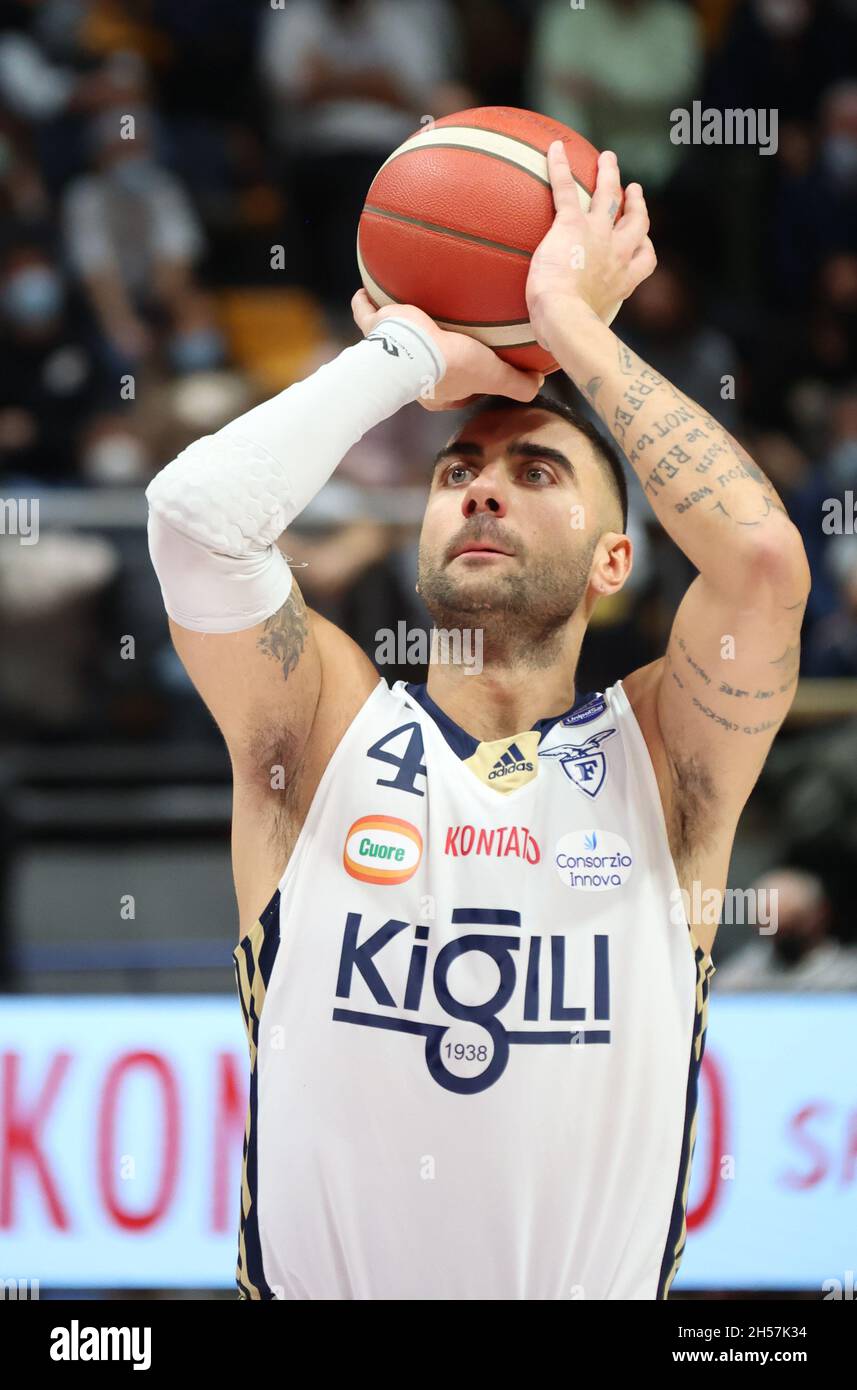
point(677, 1235)
point(464, 745)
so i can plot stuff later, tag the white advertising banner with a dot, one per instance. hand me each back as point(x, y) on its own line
point(122, 1119)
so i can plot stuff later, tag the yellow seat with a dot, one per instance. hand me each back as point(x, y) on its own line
point(270, 332)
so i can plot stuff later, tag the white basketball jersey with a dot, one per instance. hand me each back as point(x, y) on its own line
point(476, 1018)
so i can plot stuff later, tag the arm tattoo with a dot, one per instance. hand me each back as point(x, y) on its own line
point(626, 361)
point(284, 633)
point(709, 447)
point(591, 390)
point(789, 665)
point(682, 645)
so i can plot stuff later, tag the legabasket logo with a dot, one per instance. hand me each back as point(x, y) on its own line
point(593, 860)
point(382, 849)
point(76, 1343)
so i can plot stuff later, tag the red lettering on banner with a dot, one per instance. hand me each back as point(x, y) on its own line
point(711, 1077)
point(20, 1137)
point(821, 1160)
point(850, 1160)
point(229, 1119)
point(157, 1065)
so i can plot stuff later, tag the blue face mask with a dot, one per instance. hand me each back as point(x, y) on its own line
point(842, 463)
point(197, 351)
point(839, 153)
point(134, 173)
point(33, 296)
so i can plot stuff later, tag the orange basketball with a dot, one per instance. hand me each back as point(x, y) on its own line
point(453, 216)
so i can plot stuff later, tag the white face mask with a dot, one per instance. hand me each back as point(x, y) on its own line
point(117, 458)
point(32, 296)
point(783, 18)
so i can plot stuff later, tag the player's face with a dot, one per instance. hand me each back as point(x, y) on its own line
point(517, 505)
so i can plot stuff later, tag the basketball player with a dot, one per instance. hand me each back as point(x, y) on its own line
point(475, 1004)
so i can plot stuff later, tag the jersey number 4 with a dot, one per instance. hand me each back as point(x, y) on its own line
point(410, 765)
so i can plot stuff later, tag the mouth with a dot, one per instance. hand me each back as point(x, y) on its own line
point(481, 548)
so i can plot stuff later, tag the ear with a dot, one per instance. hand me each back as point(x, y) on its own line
point(611, 565)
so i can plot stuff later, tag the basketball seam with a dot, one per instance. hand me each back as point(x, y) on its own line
point(457, 323)
point(483, 154)
point(446, 231)
point(487, 323)
point(488, 129)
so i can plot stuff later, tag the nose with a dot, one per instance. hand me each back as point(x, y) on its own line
point(484, 494)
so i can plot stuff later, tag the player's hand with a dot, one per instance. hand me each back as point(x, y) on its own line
point(596, 256)
point(472, 369)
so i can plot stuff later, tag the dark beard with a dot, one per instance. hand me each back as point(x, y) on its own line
point(522, 616)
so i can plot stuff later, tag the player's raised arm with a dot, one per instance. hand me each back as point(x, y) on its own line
point(237, 618)
point(730, 670)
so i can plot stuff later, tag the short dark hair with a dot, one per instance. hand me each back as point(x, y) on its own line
point(605, 448)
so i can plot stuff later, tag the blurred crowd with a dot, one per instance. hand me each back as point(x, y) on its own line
point(180, 185)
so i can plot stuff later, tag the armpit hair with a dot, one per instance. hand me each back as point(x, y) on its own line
point(693, 815)
point(270, 751)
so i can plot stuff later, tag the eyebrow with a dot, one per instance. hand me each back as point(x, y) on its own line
point(521, 449)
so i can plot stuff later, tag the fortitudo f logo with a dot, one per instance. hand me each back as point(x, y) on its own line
point(583, 763)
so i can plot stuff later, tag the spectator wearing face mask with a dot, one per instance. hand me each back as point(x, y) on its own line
point(801, 954)
point(47, 376)
point(133, 239)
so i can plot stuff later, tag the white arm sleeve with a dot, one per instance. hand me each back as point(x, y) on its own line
point(216, 511)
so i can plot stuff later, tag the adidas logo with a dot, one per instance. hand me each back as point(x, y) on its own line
point(512, 760)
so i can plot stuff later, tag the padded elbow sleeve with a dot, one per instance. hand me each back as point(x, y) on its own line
point(209, 591)
point(217, 511)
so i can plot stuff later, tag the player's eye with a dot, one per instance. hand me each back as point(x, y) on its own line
point(535, 473)
point(456, 473)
